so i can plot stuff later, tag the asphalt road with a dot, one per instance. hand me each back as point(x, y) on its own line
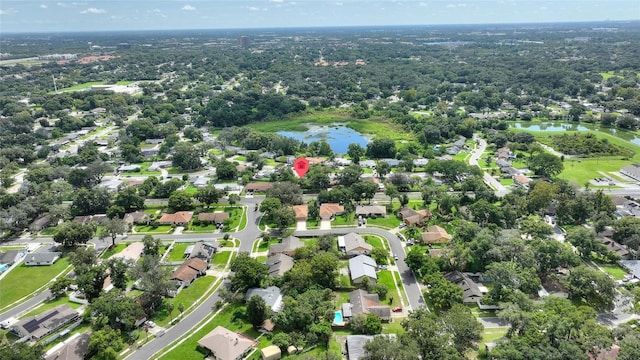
point(25, 306)
point(500, 189)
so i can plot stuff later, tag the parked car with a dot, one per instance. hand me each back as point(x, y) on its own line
point(397, 309)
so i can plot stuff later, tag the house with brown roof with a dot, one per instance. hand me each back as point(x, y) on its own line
point(302, 212)
point(353, 244)
point(521, 180)
point(361, 302)
point(435, 235)
point(410, 216)
point(371, 210)
point(224, 344)
point(329, 211)
point(189, 271)
point(258, 187)
point(138, 217)
point(288, 246)
point(217, 217)
point(180, 218)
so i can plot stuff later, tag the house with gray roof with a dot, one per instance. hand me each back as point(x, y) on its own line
point(41, 258)
point(353, 244)
point(355, 346)
point(201, 250)
point(288, 246)
point(41, 325)
point(371, 210)
point(363, 302)
point(361, 267)
point(279, 264)
point(272, 296)
point(10, 257)
point(471, 291)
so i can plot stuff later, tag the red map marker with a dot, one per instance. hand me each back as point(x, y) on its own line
point(301, 166)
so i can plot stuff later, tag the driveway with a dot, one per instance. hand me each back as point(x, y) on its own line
point(301, 225)
point(500, 189)
point(325, 224)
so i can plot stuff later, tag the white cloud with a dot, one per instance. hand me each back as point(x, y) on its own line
point(188, 8)
point(93, 11)
point(277, 1)
point(7, 12)
point(43, 6)
point(253, 8)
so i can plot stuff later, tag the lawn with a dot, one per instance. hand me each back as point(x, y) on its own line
point(114, 250)
point(221, 257)
point(615, 271)
point(187, 297)
point(50, 305)
point(188, 349)
point(160, 229)
point(343, 220)
point(191, 190)
point(50, 231)
point(385, 277)
point(475, 310)
point(506, 181)
point(388, 222)
point(177, 252)
point(236, 214)
point(24, 280)
point(374, 240)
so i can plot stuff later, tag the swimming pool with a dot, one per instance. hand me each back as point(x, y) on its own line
point(337, 319)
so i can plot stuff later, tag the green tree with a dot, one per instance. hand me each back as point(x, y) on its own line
point(248, 272)
point(546, 164)
point(112, 228)
point(226, 170)
point(180, 200)
point(59, 287)
point(116, 310)
point(151, 246)
point(71, 234)
point(367, 324)
point(324, 269)
point(21, 351)
point(257, 311)
point(355, 152)
point(118, 268)
point(380, 255)
point(209, 195)
point(442, 293)
point(389, 348)
point(463, 328)
point(592, 286)
point(129, 199)
point(91, 280)
point(186, 157)
point(105, 344)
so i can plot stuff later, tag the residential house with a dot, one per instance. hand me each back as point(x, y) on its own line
point(217, 218)
point(10, 257)
point(40, 224)
point(301, 211)
point(224, 344)
point(41, 325)
point(132, 252)
point(522, 180)
point(287, 246)
point(342, 161)
point(503, 163)
point(410, 216)
point(180, 218)
point(129, 168)
point(154, 141)
point(472, 293)
point(279, 264)
point(201, 250)
point(157, 165)
point(368, 164)
point(371, 210)
point(328, 211)
point(41, 258)
point(272, 296)
point(111, 185)
point(74, 349)
point(391, 162)
point(435, 235)
point(361, 267)
point(201, 181)
point(633, 266)
point(138, 217)
point(189, 271)
point(361, 302)
point(632, 171)
point(619, 249)
point(503, 153)
point(355, 346)
point(353, 244)
point(91, 219)
point(420, 162)
point(252, 188)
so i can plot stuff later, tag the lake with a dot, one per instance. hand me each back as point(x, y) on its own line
point(338, 136)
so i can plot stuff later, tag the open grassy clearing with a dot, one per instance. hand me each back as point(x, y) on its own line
point(177, 252)
point(24, 280)
point(374, 241)
point(146, 229)
point(187, 297)
point(114, 250)
point(615, 271)
point(221, 257)
point(389, 222)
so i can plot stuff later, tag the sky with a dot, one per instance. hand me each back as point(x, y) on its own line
point(99, 15)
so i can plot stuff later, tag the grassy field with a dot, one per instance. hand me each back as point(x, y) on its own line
point(187, 297)
point(615, 271)
point(385, 277)
point(222, 257)
point(114, 250)
point(374, 241)
point(582, 170)
point(374, 126)
point(389, 222)
point(160, 229)
point(177, 253)
point(24, 280)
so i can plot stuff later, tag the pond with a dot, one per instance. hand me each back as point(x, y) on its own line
point(338, 136)
point(550, 126)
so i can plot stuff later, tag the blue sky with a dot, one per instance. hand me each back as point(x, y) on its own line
point(90, 15)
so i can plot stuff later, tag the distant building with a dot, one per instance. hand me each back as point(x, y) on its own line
point(217, 217)
point(632, 171)
point(361, 302)
point(244, 41)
